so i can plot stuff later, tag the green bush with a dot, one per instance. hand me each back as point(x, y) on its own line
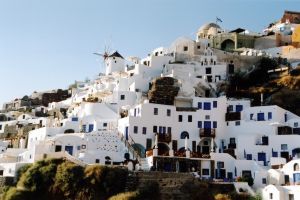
point(14, 194)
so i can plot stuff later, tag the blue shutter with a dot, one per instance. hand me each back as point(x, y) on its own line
point(207, 124)
point(207, 106)
point(91, 127)
point(239, 108)
point(260, 117)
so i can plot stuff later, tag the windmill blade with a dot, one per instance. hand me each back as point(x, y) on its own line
point(98, 54)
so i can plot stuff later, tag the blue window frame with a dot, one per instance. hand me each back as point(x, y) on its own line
point(207, 106)
point(199, 124)
point(214, 124)
point(215, 104)
point(91, 127)
point(239, 108)
point(274, 154)
point(249, 156)
point(200, 105)
point(260, 116)
point(269, 115)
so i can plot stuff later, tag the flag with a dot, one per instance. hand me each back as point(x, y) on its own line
point(218, 19)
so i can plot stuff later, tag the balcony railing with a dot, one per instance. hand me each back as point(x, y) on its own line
point(207, 132)
point(164, 137)
point(233, 116)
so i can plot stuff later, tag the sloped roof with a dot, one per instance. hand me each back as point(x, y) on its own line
point(116, 54)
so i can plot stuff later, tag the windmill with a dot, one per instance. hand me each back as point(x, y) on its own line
point(104, 55)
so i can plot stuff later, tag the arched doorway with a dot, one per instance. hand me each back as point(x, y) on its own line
point(163, 149)
point(184, 134)
point(227, 45)
point(140, 149)
point(70, 131)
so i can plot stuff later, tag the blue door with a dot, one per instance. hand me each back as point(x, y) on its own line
point(261, 157)
point(126, 133)
point(69, 149)
point(296, 177)
point(91, 127)
point(207, 124)
point(260, 117)
point(239, 108)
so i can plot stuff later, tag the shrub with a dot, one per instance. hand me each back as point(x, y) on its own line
point(14, 194)
point(21, 171)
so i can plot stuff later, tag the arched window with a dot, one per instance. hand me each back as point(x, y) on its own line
point(296, 167)
point(184, 134)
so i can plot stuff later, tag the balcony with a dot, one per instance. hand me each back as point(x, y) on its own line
point(233, 116)
point(285, 130)
point(207, 132)
point(164, 137)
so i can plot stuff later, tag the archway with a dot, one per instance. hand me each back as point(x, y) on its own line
point(296, 167)
point(163, 149)
point(70, 131)
point(227, 45)
point(184, 134)
point(140, 149)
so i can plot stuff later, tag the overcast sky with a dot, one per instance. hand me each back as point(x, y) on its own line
point(48, 44)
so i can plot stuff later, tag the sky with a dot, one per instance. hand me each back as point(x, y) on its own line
point(49, 44)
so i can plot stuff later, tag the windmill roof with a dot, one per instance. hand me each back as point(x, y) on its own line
point(116, 54)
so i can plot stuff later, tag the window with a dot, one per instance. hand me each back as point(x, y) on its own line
point(251, 116)
point(174, 145)
point(155, 111)
point(239, 108)
point(199, 124)
point(135, 129)
point(284, 147)
point(184, 134)
point(215, 104)
point(207, 106)
point(232, 140)
point(104, 124)
point(260, 117)
point(214, 124)
point(271, 196)
point(180, 118)
point(168, 112)
point(148, 144)
point(190, 118)
point(78, 148)
point(207, 117)
point(295, 125)
point(185, 48)
point(269, 115)
point(205, 172)
point(97, 161)
point(296, 167)
point(0, 127)
point(144, 130)
point(74, 119)
point(230, 108)
point(208, 70)
point(194, 146)
point(200, 105)
point(154, 129)
point(23, 116)
point(169, 130)
point(83, 146)
point(220, 165)
point(122, 97)
point(291, 197)
point(264, 181)
point(237, 123)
